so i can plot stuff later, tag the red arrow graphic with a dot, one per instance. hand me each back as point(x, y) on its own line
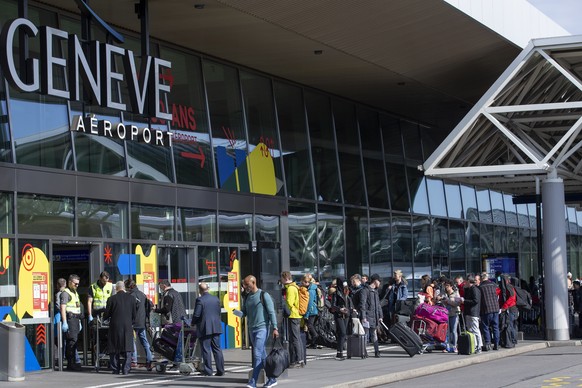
point(190, 155)
point(40, 335)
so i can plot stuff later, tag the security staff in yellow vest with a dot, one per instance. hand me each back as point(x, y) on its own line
point(99, 292)
point(71, 320)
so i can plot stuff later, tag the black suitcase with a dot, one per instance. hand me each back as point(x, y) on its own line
point(304, 345)
point(357, 346)
point(406, 338)
point(165, 349)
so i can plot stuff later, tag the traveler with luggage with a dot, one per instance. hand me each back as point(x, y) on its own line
point(341, 307)
point(396, 294)
point(472, 311)
point(427, 285)
point(375, 312)
point(173, 311)
point(312, 313)
point(360, 296)
point(489, 312)
point(294, 319)
point(143, 306)
point(509, 311)
point(451, 300)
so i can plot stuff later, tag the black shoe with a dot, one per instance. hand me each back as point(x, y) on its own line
point(219, 374)
point(377, 355)
point(486, 348)
point(495, 347)
point(74, 367)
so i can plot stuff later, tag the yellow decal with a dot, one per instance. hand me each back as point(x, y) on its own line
point(148, 274)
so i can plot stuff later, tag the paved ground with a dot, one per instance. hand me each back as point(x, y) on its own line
point(321, 370)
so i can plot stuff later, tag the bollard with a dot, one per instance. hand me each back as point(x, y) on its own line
point(12, 340)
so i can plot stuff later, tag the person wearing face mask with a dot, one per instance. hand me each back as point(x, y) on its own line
point(341, 307)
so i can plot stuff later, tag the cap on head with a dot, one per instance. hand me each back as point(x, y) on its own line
point(374, 277)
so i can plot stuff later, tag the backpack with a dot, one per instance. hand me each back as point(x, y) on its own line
point(303, 300)
point(523, 299)
point(320, 299)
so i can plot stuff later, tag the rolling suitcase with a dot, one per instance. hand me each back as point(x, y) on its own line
point(356, 346)
point(406, 338)
point(466, 340)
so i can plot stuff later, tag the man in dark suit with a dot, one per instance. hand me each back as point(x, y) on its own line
point(209, 327)
point(121, 310)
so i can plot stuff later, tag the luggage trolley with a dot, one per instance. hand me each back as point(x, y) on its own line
point(100, 356)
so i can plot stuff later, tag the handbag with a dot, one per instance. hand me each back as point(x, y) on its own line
point(277, 360)
point(357, 328)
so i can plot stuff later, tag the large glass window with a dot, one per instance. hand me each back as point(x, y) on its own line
point(470, 211)
point(208, 267)
point(303, 238)
point(330, 231)
point(8, 292)
point(294, 140)
point(497, 207)
point(5, 146)
point(197, 225)
point(266, 228)
point(438, 204)
point(44, 215)
point(457, 248)
point(421, 243)
point(394, 163)
point(473, 248)
point(235, 228)
point(226, 121)
point(264, 152)
point(418, 193)
point(357, 258)
point(102, 219)
point(402, 250)
point(380, 244)
point(112, 251)
point(350, 160)
point(484, 204)
point(191, 140)
point(411, 138)
point(6, 213)
point(323, 147)
point(454, 203)
point(440, 247)
point(373, 159)
point(152, 222)
point(510, 210)
point(522, 215)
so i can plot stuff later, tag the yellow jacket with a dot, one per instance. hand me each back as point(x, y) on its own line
point(293, 300)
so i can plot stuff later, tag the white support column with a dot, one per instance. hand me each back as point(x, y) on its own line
point(555, 262)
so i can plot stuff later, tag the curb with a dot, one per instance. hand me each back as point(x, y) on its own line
point(450, 365)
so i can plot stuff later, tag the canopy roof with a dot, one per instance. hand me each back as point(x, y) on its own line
point(526, 125)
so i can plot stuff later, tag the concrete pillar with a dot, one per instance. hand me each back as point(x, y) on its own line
point(555, 262)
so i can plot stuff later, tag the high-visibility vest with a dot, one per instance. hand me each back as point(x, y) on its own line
point(100, 295)
point(74, 304)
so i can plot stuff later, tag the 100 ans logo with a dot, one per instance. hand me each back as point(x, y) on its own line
point(94, 67)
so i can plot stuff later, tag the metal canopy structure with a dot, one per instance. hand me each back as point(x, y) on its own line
point(527, 125)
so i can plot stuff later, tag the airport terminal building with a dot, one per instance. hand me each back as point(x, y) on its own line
point(244, 137)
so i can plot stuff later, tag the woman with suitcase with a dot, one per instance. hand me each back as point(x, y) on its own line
point(341, 306)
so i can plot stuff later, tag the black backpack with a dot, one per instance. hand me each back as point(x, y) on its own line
point(523, 299)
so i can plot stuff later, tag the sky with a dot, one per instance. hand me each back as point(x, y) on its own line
point(567, 13)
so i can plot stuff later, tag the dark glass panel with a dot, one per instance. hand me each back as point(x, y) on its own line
point(411, 138)
point(294, 140)
point(45, 215)
point(267, 228)
point(436, 198)
point(394, 163)
point(303, 238)
point(500, 238)
point(5, 144)
point(454, 203)
point(522, 215)
point(470, 211)
point(380, 244)
point(512, 240)
point(191, 140)
point(149, 162)
point(373, 160)
point(421, 242)
point(116, 250)
point(265, 155)
point(207, 266)
point(497, 207)
point(440, 247)
point(487, 239)
point(473, 248)
point(357, 258)
point(531, 208)
point(330, 231)
point(457, 248)
point(350, 160)
point(152, 222)
point(226, 121)
point(572, 226)
point(8, 296)
point(402, 250)
point(418, 191)
point(197, 225)
point(235, 228)
point(102, 219)
point(6, 213)
point(323, 147)
point(510, 210)
point(484, 204)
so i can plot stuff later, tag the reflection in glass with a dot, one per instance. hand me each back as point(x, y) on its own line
point(303, 238)
point(436, 198)
point(6, 213)
point(348, 144)
point(572, 225)
point(197, 225)
point(235, 228)
point(500, 238)
point(402, 250)
point(147, 161)
point(497, 207)
point(418, 193)
point(152, 222)
point(373, 160)
point(484, 204)
point(101, 219)
point(380, 244)
point(510, 210)
point(208, 266)
point(357, 245)
point(267, 228)
point(531, 208)
point(457, 248)
point(422, 248)
point(226, 121)
point(440, 247)
point(191, 140)
point(473, 248)
point(469, 203)
point(330, 231)
point(512, 240)
point(39, 214)
point(522, 215)
point(487, 239)
point(394, 158)
point(294, 140)
point(323, 147)
point(5, 146)
point(265, 154)
point(454, 204)
point(115, 250)
point(411, 139)
point(179, 271)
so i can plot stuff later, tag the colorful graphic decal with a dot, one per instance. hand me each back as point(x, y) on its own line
point(4, 256)
point(145, 269)
point(40, 295)
point(231, 301)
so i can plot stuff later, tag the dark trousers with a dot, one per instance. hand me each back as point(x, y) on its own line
point(120, 362)
point(311, 329)
point(341, 326)
point(211, 347)
point(295, 346)
point(490, 328)
point(72, 339)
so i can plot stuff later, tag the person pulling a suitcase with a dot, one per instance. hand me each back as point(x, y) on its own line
point(360, 295)
point(341, 306)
